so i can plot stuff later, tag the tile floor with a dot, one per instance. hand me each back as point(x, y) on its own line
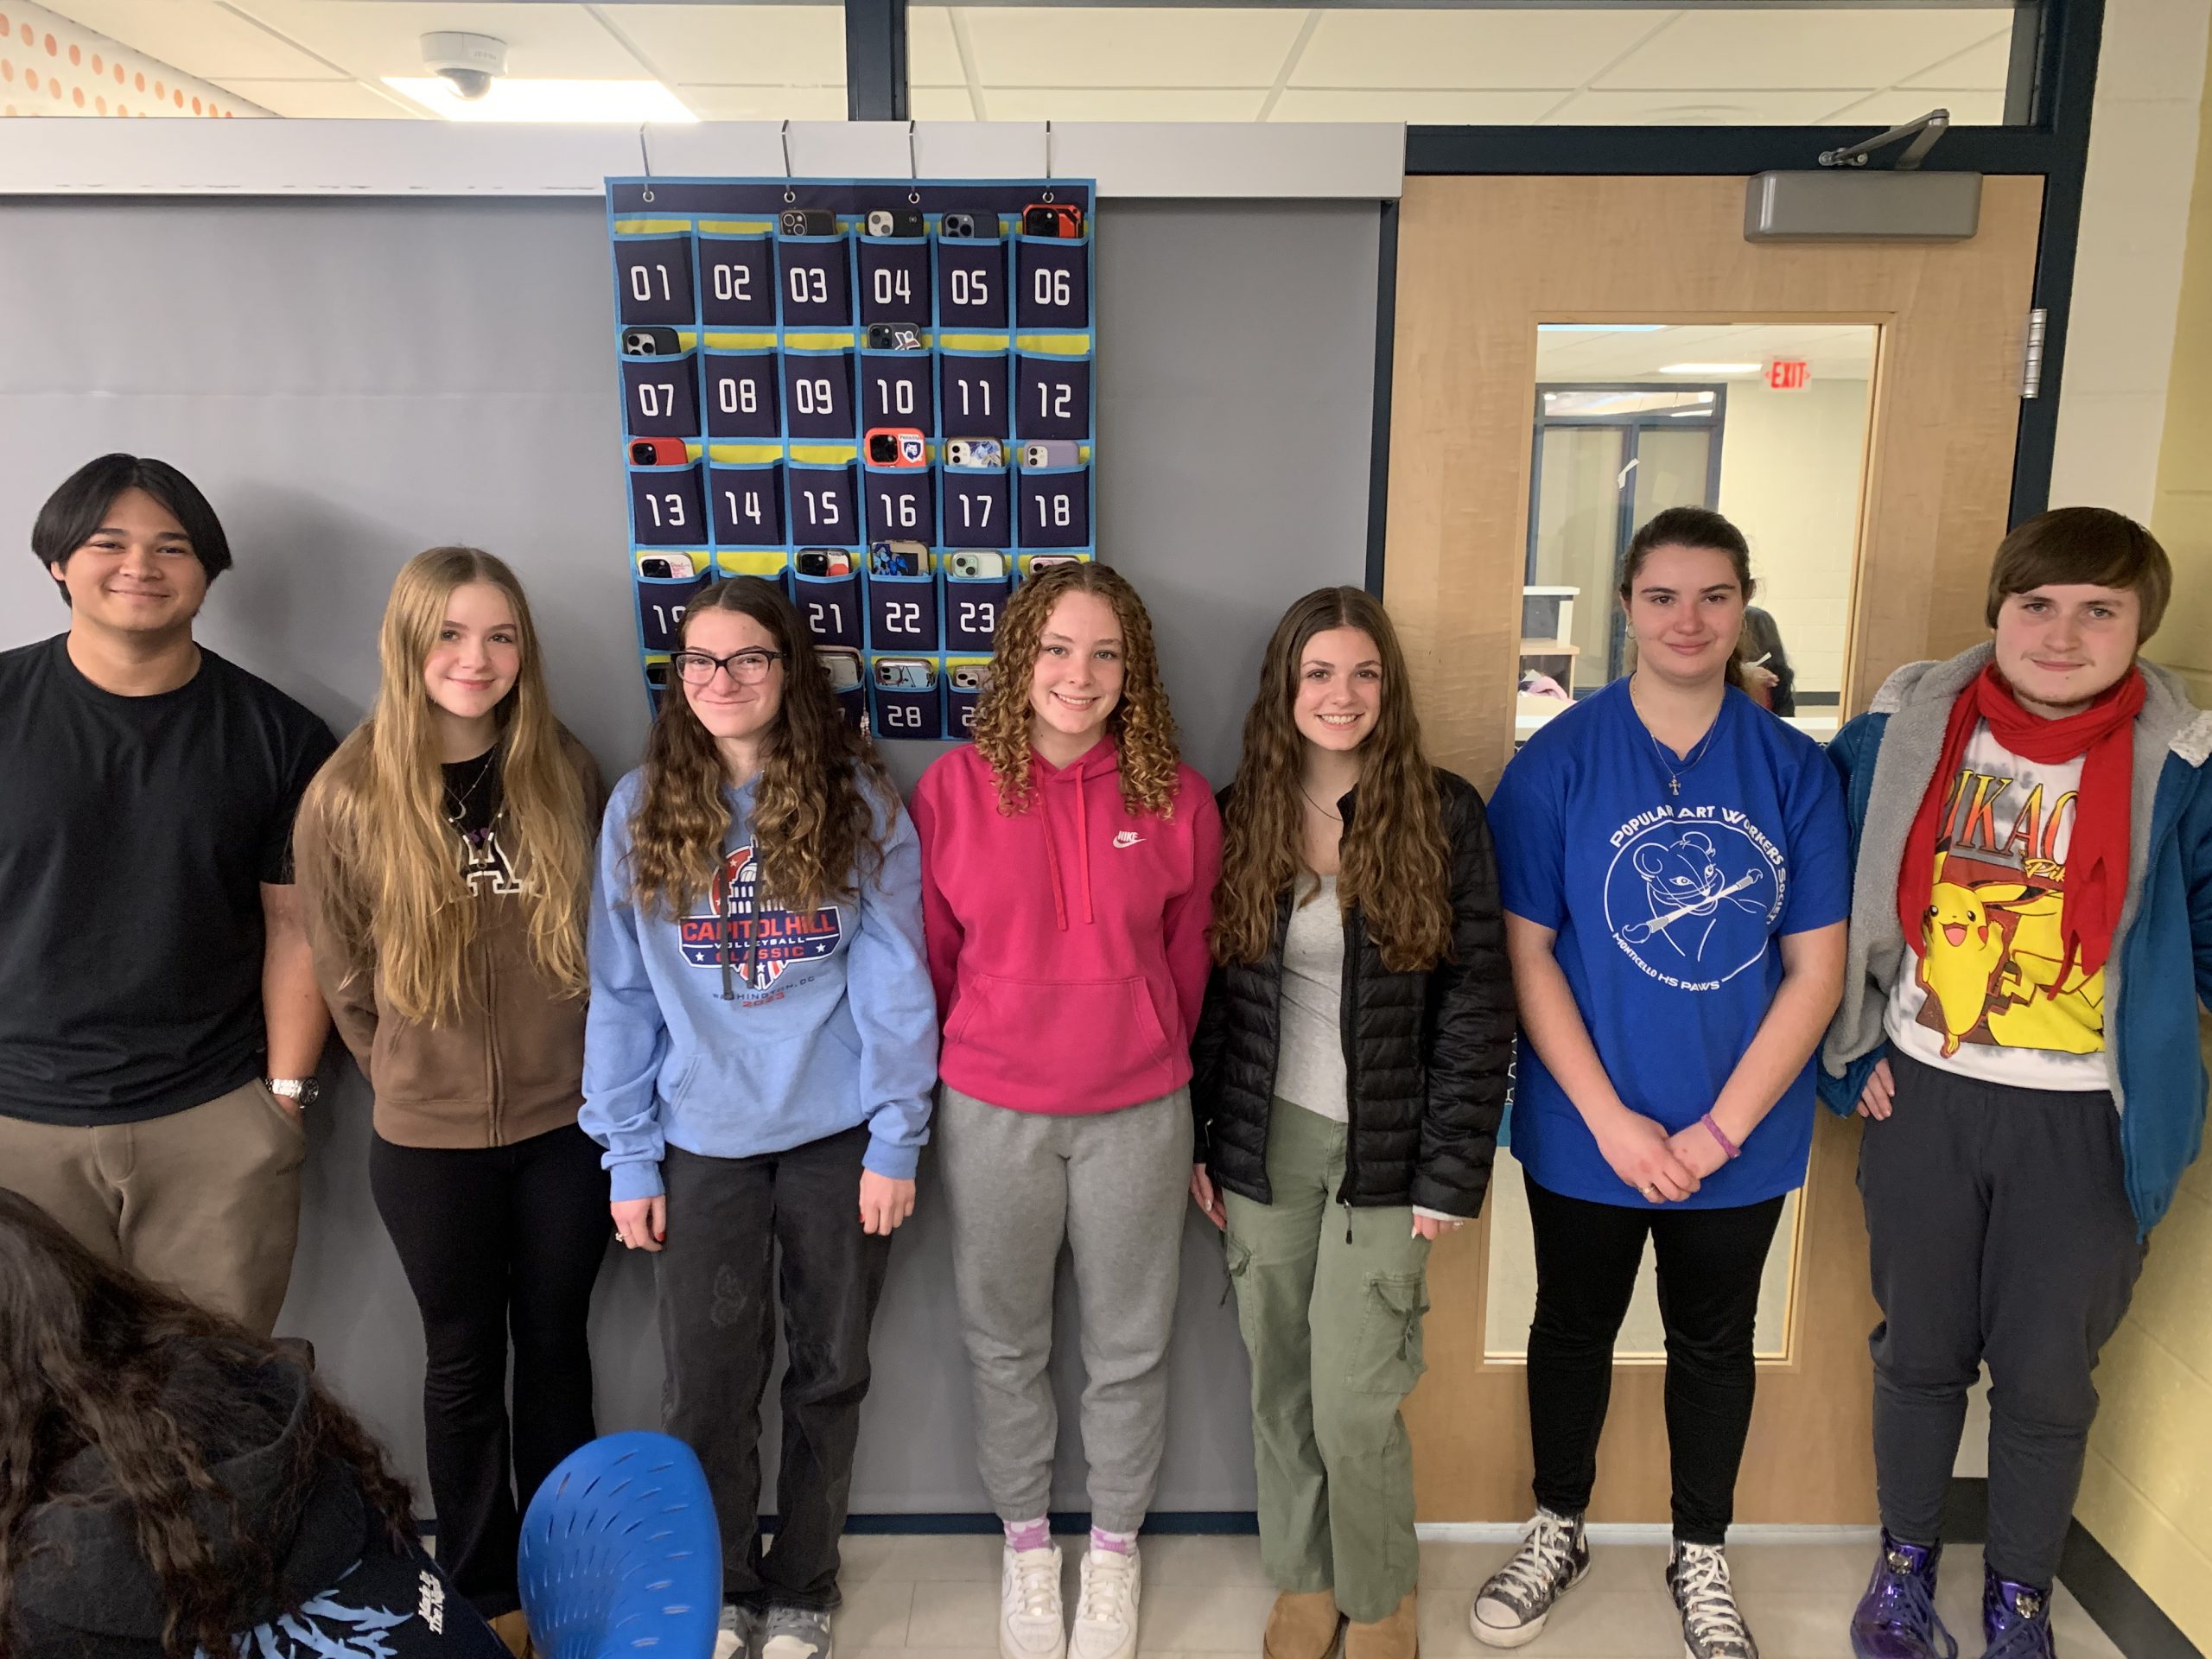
point(938, 1595)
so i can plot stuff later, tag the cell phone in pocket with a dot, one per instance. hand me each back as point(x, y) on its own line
point(808, 221)
point(1051, 452)
point(895, 221)
point(898, 559)
point(1052, 218)
point(976, 567)
point(1043, 561)
point(897, 446)
point(957, 226)
point(905, 673)
point(971, 676)
point(658, 452)
point(650, 342)
point(844, 666)
point(894, 337)
point(666, 567)
point(974, 452)
point(823, 561)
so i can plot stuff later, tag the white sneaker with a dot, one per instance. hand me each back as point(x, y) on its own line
point(1509, 1610)
point(1030, 1621)
point(1106, 1611)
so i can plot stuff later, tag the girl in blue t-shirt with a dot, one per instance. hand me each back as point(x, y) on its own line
point(1672, 862)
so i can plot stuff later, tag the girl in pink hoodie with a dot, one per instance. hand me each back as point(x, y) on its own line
point(1068, 865)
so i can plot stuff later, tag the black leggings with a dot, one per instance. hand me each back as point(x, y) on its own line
point(1709, 1266)
point(497, 1242)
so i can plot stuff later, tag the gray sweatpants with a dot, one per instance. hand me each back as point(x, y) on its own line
point(1111, 1185)
point(1999, 1230)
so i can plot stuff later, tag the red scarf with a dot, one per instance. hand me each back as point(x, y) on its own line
point(2096, 859)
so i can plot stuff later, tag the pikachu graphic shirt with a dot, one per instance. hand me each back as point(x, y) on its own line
point(1992, 996)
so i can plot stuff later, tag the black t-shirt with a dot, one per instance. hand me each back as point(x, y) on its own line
point(135, 835)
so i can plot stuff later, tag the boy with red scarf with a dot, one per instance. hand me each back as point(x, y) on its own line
point(2030, 937)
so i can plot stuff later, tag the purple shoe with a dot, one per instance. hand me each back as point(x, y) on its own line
point(2015, 1619)
point(1896, 1618)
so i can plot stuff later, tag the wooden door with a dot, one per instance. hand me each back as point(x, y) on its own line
point(1481, 263)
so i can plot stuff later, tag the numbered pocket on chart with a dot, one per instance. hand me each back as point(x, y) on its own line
point(899, 504)
point(971, 285)
point(653, 280)
point(902, 614)
point(963, 692)
point(665, 509)
point(894, 279)
point(1052, 395)
point(975, 393)
point(818, 394)
point(1052, 283)
point(660, 607)
point(825, 511)
point(978, 508)
point(747, 505)
point(811, 282)
point(895, 390)
point(737, 281)
point(1055, 507)
point(741, 395)
point(902, 711)
point(831, 606)
point(972, 609)
point(660, 396)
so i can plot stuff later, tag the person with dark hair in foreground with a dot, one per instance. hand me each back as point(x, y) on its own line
point(176, 1485)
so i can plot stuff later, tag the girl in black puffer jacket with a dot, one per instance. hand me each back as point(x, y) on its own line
point(1353, 1052)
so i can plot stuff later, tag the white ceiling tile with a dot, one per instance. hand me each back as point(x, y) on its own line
point(323, 100)
point(1788, 47)
point(932, 58)
point(1489, 47)
point(196, 36)
point(940, 104)
point(1970, 107)
point(1129, 46)
point(1697, 109)
point(374, 38)
point(738, 45)
point(762, 102)
point(1496, 108)
point(1123, 104)
point(1986, 65)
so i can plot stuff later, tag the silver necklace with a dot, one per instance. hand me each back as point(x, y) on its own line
point(1674, 768)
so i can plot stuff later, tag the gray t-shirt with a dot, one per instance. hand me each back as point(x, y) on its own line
point(1310, 1060)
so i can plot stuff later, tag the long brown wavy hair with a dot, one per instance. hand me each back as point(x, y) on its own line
point(813, 824)
point(93, 1357)
point(396, 872)
point(1142, 726)
point(1395, 865)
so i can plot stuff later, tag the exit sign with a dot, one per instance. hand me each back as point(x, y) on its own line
point(1789, 374)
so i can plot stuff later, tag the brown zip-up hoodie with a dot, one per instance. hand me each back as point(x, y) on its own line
point(508, 1066)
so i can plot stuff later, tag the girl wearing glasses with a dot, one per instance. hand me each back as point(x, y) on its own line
point(444, 859)
point(1070, 861)
point(758, 1063)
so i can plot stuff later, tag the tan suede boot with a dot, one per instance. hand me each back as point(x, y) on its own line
point(1395, 1638)
point(1302, 1624)
point(513, 1629)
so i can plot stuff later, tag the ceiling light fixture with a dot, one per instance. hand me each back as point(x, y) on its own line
point(513, 99)
point(1712, 368)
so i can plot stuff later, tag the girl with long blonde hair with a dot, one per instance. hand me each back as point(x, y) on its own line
point(1354, 1052)
point(761, 1047)
point(1068, 861)
point(444, 857)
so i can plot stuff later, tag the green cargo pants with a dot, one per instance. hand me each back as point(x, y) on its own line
point(1330, 1301)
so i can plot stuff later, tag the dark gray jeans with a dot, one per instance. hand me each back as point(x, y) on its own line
point(2000, 1231)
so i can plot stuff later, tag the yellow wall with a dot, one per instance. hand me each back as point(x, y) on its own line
point(2147, 1493)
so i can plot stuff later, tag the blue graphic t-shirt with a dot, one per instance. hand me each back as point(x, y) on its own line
point(1668, 907)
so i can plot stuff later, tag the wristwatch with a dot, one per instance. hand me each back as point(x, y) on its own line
point(302, 1092)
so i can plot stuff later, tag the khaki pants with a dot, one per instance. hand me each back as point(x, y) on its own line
point(205, 1201)
point(1332, 1323)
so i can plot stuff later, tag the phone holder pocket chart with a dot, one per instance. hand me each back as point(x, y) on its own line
point(794, 357)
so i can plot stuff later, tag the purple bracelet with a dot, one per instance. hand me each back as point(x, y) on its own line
point(1713, 1129)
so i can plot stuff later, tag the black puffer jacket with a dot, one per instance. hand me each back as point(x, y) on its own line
point(1426, 1054)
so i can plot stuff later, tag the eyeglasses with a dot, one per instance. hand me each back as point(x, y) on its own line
point(746, 667)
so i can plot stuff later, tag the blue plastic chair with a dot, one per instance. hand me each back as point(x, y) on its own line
point(620, 1554)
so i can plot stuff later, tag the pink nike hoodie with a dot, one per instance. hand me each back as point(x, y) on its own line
point(1067, 943)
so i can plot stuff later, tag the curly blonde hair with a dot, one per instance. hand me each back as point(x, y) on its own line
point(1142, 725)
point(813, 827)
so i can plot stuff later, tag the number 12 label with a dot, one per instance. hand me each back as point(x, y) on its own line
point(1052, 398)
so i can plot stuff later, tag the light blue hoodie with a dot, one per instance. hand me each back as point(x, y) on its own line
point(740, 1028)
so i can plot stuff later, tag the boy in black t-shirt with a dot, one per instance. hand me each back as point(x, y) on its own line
point(160, 1025)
